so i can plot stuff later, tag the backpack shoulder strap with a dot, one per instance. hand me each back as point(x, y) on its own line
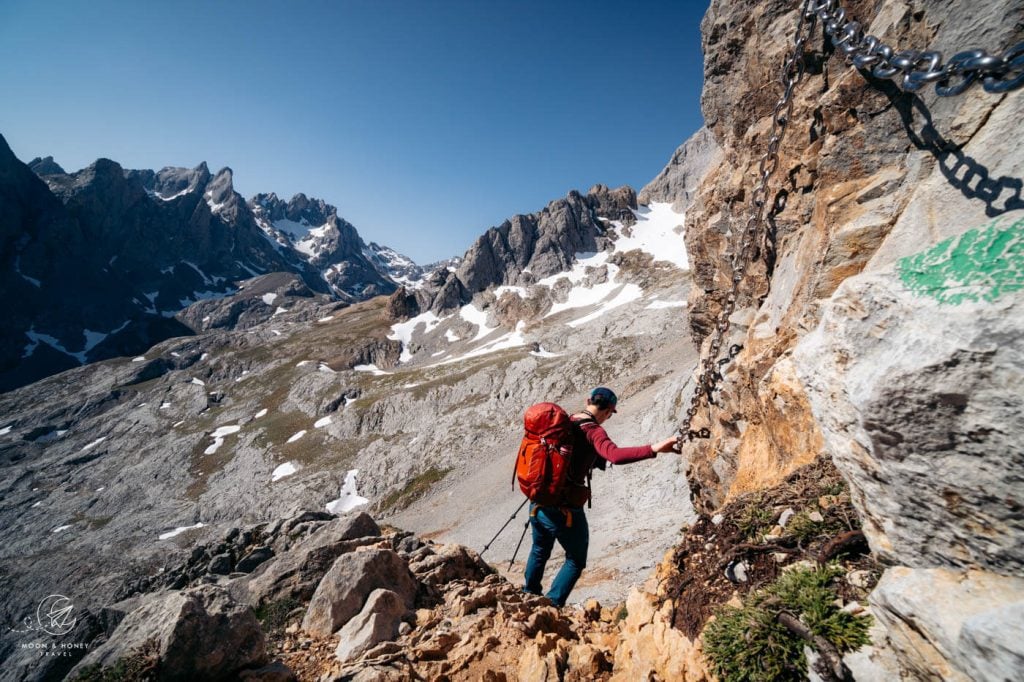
point(581, 418)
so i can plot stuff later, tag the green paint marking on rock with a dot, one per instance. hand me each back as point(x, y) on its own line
point(979, 265)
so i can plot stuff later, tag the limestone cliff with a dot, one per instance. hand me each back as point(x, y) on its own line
point(881, 317)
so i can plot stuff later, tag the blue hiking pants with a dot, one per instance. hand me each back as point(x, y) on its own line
point(569, 527)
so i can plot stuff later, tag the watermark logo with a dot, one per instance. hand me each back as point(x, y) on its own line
point(54, 615)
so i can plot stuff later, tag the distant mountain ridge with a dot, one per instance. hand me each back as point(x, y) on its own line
point(102, 262)
point(142, 247)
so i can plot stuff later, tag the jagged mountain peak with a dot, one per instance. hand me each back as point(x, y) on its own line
point(171, 182)
point(46, 166)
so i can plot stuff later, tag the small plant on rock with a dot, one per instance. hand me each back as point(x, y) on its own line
point(752, 642)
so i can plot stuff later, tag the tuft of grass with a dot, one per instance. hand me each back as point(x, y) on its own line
point(273, 616)
point(803, 528)
point(755, 518)
point(749, 643)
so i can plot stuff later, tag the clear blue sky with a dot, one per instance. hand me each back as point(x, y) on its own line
point(424, 122)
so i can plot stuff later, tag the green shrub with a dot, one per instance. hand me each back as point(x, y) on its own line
point(749, 643)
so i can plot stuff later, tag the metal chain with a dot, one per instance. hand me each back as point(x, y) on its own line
point(914, 68)
point(792, 73)
point(917, 68)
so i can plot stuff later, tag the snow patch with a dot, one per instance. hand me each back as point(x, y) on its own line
point(198, 382)
point(60, 528)
point(286, 469)
point(471, 314)
point(350, 498)
point(218, 437)
point(628, 294)
point(403, 331)
point(655, 233)
point(372, 369)
point(661, 305)
point(179, 530)
point(295, 436)
point(322, 422)
point(261, 413)
point(93, 444)
point(7, 429)
point(541, 353)
point(513, 339)
point(269, 298)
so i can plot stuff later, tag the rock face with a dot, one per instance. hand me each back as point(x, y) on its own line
point(679, 180)
point(327, 242)
point(953, 624)
point(530, 247)
point(881, 312)
point(345, 588)
point(908, 374)
point(106, 261)
point(199, 632)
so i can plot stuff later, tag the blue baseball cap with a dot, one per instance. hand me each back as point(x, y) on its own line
point(605, 395)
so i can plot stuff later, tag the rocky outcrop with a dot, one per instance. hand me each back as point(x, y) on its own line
point(527, 248)
point(200, 632)
point(346, 587)
point(875, 320)
point(953, 624)
point(297, 571)
point(678, 182)
point(258, 300)
point(326, 242)
point(45, 166)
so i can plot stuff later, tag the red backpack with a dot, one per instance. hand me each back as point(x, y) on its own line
point(542, 465)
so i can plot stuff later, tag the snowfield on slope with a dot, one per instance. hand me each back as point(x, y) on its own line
point(658, 232)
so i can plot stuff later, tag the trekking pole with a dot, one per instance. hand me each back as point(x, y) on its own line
point(513, 559)
point(503, 527)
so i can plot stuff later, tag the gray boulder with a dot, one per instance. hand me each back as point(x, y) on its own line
point(344, 589)
point(252, 559)
point(439, 565)
point(954, 625)
point(377, 622)
point(200, 633)
point(910, 375)
point(295, 574)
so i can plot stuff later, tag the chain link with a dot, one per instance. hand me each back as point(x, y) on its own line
point(915, 69)
point(710, 374)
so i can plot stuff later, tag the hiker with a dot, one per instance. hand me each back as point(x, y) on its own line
point(566, 521)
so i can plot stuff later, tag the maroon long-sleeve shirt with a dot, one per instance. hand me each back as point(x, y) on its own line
point(592, 448)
